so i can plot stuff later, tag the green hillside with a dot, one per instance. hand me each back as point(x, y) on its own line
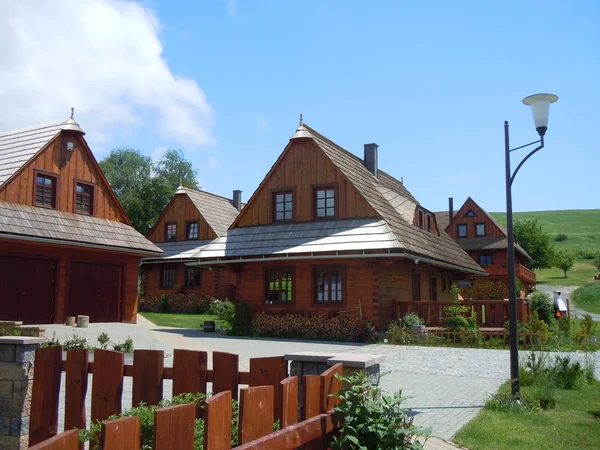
point(582, 227)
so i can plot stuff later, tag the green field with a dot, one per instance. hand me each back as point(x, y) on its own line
point(183, 320)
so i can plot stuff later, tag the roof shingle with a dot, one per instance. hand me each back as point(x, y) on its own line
point(218, 211)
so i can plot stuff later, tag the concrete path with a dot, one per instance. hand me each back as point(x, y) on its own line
point(566, 293)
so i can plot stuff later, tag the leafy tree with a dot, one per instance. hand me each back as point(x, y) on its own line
point(144, 188)
point(536, 242)
point(542, 304)
point(596, 261)
point(564, 260)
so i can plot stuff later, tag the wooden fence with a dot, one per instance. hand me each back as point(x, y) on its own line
point(189, 374)
point(480, 338)
point(174, 426)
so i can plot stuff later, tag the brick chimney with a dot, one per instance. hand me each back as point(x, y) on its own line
point(237, 199)
point(371, 158)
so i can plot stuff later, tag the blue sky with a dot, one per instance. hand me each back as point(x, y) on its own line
point(430, 82)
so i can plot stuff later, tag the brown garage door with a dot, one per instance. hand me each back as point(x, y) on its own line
point(27, 289)
point(95, 291)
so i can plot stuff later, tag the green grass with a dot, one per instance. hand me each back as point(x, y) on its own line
point(588, 298)
point(574, 424)
point(183, 320)
point(581, 273)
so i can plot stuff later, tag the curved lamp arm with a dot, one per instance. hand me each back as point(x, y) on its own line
point(541, 141)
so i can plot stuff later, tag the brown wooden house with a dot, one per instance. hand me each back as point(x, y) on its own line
point(329, 232)
point(66, 246)
point(191, 220)
point(482, 237)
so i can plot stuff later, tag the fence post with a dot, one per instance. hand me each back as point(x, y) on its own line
point(16, 381)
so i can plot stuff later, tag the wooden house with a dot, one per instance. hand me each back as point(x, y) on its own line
point(482, 237)
point(66, 245)
point(329, 232)
point(191, 220)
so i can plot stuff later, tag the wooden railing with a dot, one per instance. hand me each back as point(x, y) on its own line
point(174, 426)
point(485, 339)
point(490, 313)
point(501, 270)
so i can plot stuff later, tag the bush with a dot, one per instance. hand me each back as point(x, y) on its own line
point(561, 237)
point(541, 303)
point(411, 320)
point(179, 303)
point(103, 340)
point(125, 347)
point(308, 326)
point(75, 343)
point(587, 328)
point(483, 289)
point(225, 310)
point(455, 319)
point(165, 307)
point(586, 253)
point(372, 420)
point(242, 320)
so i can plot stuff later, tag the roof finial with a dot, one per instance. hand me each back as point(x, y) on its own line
point(301, 123)
point(402, 180)
point(72, 112)
point(180, 181)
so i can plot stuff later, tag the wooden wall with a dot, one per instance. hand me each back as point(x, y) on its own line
point(302, 166)
point(218, 283)
point(63, 255)
point(81, 166)
point(180, 210)
point(459, 218)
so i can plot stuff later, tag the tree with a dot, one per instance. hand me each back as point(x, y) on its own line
point(596, 261)
point(143, 187)
point(564, 260)
point(536, 242)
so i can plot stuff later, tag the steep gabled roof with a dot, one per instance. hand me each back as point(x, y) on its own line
point(443, 219)
point(218, 211)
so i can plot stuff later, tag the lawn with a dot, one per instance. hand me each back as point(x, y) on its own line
point(581, 273)
point(575, 423)
point(588, 298)
point(183, 320)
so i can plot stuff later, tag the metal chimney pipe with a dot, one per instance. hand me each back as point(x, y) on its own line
point(237, 199)
point(371, 157)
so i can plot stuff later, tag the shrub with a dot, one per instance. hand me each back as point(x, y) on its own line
point(565, 324)
point(75, 343)
point(537, 325)
point(242, 320)
point(103, 340)
point(308, 326)
point(566, 374)
point(455, 319)
point(125, 347)
point(483, 289)
point(411, 320)
point(165, 307)
point(179, 303)
point(372, 420)
point(561, 237)
point(585, 253)
point(587, 328)
point(596, 262)
point(225, 310)
point(541, 303)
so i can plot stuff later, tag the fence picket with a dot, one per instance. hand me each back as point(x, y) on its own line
point(76, 383)
point(289, 395)
point(107, 384)
point(69, 440)
point(217, 424)
point(330, 385)
point(45, 395)
point(121, 434)
point(174, 427)
point(269, 372)
point(190, 372)
point(256, 413)
point(312, 396)
point(148, 368)
point(225, 373)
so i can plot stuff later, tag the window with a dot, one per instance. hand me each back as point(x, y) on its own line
point(192, 230)
point(428, 222)
point(420, 219)
point(325, 202)
point(470, 213)
point(279, 286)
point(283, 206)
point(193, 277)
point(444, 284)
point(45, 190)
point(486, 260)
point(84, 198)
point(171, 231)
point(329, 285)
point(480, 229)
point(462, 230)
point(167, 278)
point(433, 288)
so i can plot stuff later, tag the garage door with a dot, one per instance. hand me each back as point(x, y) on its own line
point(95, 291)
point(27, 289)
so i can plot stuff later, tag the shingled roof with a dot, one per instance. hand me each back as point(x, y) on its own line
point(45, 225)
point(218, 211)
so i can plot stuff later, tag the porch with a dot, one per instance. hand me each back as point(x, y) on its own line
point(501, 271)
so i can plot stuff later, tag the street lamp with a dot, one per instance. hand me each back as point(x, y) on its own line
point(540, 107)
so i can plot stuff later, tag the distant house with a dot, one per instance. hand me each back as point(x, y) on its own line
point(482, 237)
point(66, 245)
point(329, 232)
point(191, 220)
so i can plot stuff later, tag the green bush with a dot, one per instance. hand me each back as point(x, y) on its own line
point(75, 343)
point(541, 303)
point(225, 310)
point(179, 303)
point(561, 237)
point(125, 347)
point(587, 328)
point(373, 421)
point(103, 340)
point(411, 320)
point(585, 253)
point(455, 317)
point(165, 307)
point(242, 320)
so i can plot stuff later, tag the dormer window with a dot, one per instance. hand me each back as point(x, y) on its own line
point(283, 206)
point(420, 218)
point(325, 202)
point(192, 230)
point(480, 229)
point(45, 190)
point(171, 231)
point(461, 230)
point(470, 213)
point(84, 198)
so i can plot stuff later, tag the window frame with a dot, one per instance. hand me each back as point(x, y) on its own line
point(420, 218)
point(458, 226)
point(77, 181)
point(315, 269)
point(46, 174)
point(274, 193)
point(486, 255)
point(188, 225)
point(429, 222)
point(167, 231)
point(187, 277)
point(266, 290)
point(433, 288)
point(476, 229)
point(325, 187)
point(162, 277)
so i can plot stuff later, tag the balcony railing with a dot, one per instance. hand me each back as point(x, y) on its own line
point(522, 272)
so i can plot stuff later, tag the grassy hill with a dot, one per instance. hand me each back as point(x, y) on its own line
point(582, 228)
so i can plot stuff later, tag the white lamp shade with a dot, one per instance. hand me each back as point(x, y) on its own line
point(540, 107)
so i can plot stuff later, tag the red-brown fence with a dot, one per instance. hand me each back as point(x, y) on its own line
point(189, 374)
point(484, 339)
point(174, 426)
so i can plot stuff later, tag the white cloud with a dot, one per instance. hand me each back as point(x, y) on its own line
point(461, 176)
point(104, 58)
point(158, 153)
point(231, 7)
point(212, 162)
point(262, 123)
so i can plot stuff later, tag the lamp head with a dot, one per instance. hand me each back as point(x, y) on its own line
point(540, 107)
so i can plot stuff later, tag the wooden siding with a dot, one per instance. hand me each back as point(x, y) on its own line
point(491, 230)
point(64, 255)
point(218, 283)
point(303, 166)
point(434, 227)
point(80, 166)
point(180, 210)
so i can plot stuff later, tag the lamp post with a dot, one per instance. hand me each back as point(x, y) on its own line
point(540, 106)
